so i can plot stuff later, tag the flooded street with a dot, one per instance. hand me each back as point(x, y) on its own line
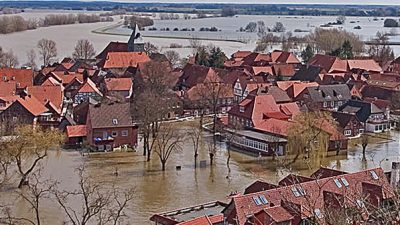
point(158, 191)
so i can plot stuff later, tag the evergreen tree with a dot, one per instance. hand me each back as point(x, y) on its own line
point(202, 57)
point(307, 54)
point(347, 50)
point(216, 57)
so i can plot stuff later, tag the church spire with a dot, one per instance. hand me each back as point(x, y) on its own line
point(135, 43)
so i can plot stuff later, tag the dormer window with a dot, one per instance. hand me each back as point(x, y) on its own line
point(241, 109)
point(4, 78)
point(115, 121)
point(13, 78)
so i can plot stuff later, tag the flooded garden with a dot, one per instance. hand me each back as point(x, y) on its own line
point(157, 191)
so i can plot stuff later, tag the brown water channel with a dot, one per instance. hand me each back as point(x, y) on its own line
point(158, 191)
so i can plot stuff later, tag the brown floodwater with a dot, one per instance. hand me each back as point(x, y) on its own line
point(158, 191)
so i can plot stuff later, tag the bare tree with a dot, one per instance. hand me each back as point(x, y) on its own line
point(173, 57)
point(29, 147)
point(47, 50)
point(150, 48)
point(98, 205)
point(195, 137)
point(35, 192)
point(83, 50)
point(195, 43)
point(8, 59)
point(364, 144)
point(153, 100)
point(31, 56)
point(168, 141)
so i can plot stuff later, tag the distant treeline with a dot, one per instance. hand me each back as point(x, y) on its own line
point(11, 24)
point(62, 19)
point(228, 9)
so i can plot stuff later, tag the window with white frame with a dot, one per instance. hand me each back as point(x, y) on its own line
point(241, 109)
point(114, 134)
point(347, 132)
point(124, 133)
point(325, 104)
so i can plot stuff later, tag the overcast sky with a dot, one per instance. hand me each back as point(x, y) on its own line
point(361, 2)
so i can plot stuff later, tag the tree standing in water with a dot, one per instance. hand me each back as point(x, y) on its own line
point(167, 141)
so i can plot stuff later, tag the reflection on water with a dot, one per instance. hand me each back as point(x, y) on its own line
point(158, 191)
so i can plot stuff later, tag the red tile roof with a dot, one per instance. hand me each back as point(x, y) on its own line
point(278, 214)
point(369, 65)
point(284, 57)
point(44, 94)
point(23, 77)
point(8, 88)
point(34, 106)
point(256, 107)
point(205, 220)
point(123, 60)
point(330, 64)
point(76, 131)
point(274, 126)
point(243, 206)
point(66, 78)
point(89, 87)
point(118, 84)
point(262, 69)
point(113, 47)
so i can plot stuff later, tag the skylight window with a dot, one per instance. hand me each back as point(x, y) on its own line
point(338, 184)
point(374, 175)
point(115, 121)
point(257, 200)
point(360, 203)
point(344, 181)
point(318, 213)
point(301, 191)
point(263, 199)
point(296, 192)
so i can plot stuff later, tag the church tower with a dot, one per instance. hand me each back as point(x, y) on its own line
point(136, 43)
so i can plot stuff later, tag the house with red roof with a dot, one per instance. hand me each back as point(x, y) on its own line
point(76, 136)
point(85, 91)
point(123, 60)
point(298, 200)
point(119, 87)
point(24, 110)
point(110, 126)
point(8, 88)
point(53, 96)
point(22, 77)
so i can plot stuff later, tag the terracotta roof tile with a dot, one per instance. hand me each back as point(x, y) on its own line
point(89, 87)
point(205, 220)
point(44, 94)
point(8, 88)
point(245, 206)
point(118, 84)
point(34, 106)
point(76, 131)
point(23, 77)
point(123, 60)
point(278, 214)
point(369, 65)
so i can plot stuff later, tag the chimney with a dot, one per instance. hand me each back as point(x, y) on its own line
point(395, 175)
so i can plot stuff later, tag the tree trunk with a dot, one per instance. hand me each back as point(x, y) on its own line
point(148, 154)
point(145, 144)
point(195, 160)
point(363, 152)
point(211, 158)
point(23, 181)
point(163, 165)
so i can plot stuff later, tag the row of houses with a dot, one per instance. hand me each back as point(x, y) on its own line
point(326, 197)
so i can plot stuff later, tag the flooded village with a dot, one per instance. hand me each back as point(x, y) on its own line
point(117, 120)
